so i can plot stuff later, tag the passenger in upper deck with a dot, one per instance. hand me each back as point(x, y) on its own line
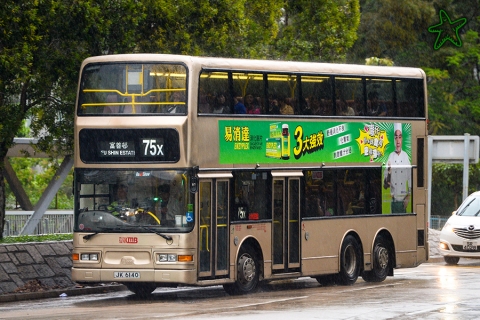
point(274, 106)
point(239, 107)
point(219, 105)
point(376, 108)
point(285, 108)
point(178, 103)
point(251, 105)
point(345, 109)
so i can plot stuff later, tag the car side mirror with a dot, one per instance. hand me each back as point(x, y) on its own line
point(454, 212)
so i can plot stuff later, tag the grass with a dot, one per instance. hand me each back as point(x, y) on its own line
point(37, 238)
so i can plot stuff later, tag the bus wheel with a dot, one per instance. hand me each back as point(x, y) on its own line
point(381, 261)
point(451, 260)
point(247, 273)
point(141, 289)
point(349, 261)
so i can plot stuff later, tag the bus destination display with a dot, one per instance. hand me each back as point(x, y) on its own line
point(129, 145)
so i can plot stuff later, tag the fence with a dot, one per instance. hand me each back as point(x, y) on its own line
point(62, 222)
point(53, 221)
point(437, 222)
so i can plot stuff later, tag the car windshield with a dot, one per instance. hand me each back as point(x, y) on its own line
point(470, 207)
point(133, 201)
point(132, 89)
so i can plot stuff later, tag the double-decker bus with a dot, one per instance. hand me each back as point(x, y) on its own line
point(202, 171)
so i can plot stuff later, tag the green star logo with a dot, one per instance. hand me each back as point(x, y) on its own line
point(447, 30)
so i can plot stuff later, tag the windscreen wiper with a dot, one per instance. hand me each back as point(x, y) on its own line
point(89, 236)
point(164, 236)
point(465, 208)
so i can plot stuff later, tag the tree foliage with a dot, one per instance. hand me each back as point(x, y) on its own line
point(398, 30)
point(35, 174)
point(317, 30)
point(43, 42)
point(395, 29)
point(447, 193)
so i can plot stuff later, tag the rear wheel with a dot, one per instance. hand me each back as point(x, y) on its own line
point(381, 257)
point(141, 289)
point(451, 260)
point(247, 273)
point(349, 261)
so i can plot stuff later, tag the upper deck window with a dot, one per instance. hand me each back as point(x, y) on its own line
point(298, 94)
point(133, 89)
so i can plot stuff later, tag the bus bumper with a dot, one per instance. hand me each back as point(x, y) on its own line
point(134, 275)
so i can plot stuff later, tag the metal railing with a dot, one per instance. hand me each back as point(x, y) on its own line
point(53, 221)
point(437, 222)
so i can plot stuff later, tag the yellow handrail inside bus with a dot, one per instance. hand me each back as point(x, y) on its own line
point(204, 226)
point(132, 95)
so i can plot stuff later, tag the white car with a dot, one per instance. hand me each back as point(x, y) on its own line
point(460, 237)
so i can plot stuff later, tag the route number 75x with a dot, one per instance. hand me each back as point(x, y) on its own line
point(152, 148)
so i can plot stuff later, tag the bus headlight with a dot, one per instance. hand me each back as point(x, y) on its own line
point(89, 257)
point(171, 257)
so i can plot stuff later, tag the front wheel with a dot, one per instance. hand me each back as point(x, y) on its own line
point(141, 289)
point(247, 273)
point(381, 257)
point(451, 260)
point(350, 258)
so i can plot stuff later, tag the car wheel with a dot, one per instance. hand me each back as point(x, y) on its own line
point(451, 260)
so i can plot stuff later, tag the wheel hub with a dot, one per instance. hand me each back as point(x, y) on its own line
point(247, 268)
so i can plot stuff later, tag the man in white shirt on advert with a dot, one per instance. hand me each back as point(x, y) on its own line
point(398, 176)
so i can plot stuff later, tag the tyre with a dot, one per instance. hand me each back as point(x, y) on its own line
point(381, 260)
point(247, 273)
point(451, 260)
point(350, 258)
point(141, 289)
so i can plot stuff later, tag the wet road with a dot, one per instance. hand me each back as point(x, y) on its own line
point(431, 291)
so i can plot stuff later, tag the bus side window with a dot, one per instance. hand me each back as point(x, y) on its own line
point(250, 190)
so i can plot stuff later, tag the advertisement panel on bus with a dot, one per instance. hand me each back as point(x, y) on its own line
point(295, 142)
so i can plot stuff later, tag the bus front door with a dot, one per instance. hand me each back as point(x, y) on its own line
point(213, 229)
point(286, 224)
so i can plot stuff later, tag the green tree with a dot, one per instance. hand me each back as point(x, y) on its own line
point(42, 44)
point(395, 29)
point(447, 193)
point(35, 174)
point(317, 30)
point(230, 28)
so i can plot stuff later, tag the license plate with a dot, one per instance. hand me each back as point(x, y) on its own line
point(129, 275)
point(469, 245)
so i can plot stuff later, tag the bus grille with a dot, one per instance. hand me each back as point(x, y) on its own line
point(467, 234)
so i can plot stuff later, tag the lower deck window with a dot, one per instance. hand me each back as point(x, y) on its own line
point(342, 192)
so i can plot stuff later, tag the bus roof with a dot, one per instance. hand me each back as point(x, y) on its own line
point(265, 65)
